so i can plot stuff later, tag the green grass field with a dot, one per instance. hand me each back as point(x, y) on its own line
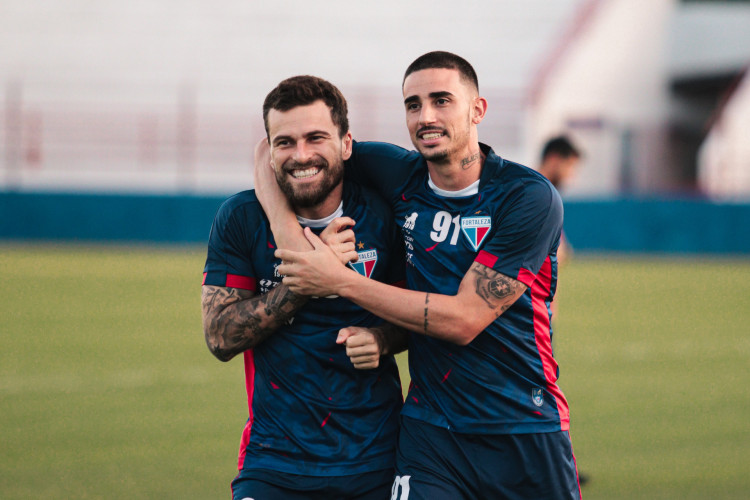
point(108, 391)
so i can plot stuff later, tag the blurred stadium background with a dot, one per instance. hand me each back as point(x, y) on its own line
point(124, 125)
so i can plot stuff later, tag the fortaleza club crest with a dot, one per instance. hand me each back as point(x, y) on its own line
point(476, 229)
point(366, 262)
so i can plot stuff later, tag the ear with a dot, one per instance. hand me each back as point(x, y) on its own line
point(346, 146)
point(479, 110)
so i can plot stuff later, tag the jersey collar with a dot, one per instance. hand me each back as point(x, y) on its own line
point(324, 221)
point(492, 164)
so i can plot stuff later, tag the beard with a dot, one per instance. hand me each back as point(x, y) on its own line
point(434, 155)
point(459, 138)
point(313, 194)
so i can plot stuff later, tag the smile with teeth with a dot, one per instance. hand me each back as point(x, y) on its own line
point(306, 173)
point(431, 135)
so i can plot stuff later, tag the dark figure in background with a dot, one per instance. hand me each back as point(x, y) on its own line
point(560, 161)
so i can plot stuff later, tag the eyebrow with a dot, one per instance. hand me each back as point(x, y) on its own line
point(305, 135)
point(433, 95)
point(316, 132)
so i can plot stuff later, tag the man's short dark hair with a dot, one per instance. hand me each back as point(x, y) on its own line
point(304, 90)
point(444, 60)
point(561, 146)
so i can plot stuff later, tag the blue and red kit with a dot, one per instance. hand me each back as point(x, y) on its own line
point(505, 380)
point(311, 413)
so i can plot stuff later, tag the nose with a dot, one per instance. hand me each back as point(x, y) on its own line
point(426, 115)
point(302, 153)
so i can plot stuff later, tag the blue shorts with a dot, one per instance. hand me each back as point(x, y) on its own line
point(272, 485)
point(434, 463)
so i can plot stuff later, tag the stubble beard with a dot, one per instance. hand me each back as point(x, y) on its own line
point(445, 156)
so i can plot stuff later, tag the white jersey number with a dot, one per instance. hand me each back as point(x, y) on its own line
point(400, 484)
point(442, 226)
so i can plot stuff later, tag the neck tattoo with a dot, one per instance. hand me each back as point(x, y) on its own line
point(467, 162)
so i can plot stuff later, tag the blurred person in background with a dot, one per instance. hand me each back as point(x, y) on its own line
point(559, 163)
point(324, 393)
point(484, 417)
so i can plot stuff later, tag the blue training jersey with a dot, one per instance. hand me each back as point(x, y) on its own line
point(505, 380)
point(310, 411)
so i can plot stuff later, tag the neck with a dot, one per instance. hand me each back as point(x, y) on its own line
point(458, 172)
point(324, 208)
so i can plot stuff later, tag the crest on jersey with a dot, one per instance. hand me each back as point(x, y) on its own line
point(476, 229)
point(366, 262)
point(537, 396)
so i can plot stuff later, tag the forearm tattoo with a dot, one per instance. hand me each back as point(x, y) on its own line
point(496, 289)
point(426, 309)
point(234, 320)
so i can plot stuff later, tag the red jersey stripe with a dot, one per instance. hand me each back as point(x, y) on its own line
point(527, 277)
point(539, 291)
point(250, 387)
point(244, 282)
point(486, 258)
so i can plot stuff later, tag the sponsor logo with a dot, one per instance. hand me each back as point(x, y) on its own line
point(266, 285)
point(476, 229)
point(410, 221)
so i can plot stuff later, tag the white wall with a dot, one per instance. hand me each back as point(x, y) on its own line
point(104, 88)
point(724, 158)
point(607, 89)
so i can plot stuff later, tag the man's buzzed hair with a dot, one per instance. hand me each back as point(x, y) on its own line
point(444, 60)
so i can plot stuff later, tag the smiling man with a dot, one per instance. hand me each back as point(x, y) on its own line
point(484, 417)
point(323, 405)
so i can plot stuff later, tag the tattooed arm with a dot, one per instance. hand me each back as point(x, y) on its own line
point(235, 320)
point(483, 295)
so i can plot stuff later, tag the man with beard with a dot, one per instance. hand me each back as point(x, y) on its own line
point(323, 399)
point(484, 417)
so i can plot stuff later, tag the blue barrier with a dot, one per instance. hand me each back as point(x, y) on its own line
point(98, 217)
point(663, 226)
point(621, 225)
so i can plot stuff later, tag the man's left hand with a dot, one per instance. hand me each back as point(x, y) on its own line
point(315, 273)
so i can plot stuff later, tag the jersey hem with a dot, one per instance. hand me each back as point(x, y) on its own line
point(438, 420)
point(318, 469)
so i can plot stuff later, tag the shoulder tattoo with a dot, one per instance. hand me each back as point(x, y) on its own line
point(495, 288)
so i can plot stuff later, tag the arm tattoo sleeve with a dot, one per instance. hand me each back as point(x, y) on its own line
point(234, 320)
point(496, 289)
point(426, 310)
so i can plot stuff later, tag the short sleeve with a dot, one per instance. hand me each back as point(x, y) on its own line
point(528, 232)
point(229, 258)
